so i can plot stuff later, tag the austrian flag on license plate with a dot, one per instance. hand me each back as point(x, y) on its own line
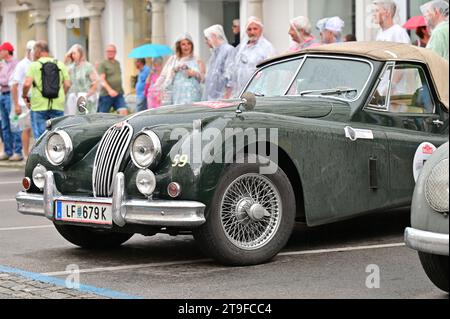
point(83, 212)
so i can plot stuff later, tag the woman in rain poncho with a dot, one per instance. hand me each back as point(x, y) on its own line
point(300, 32)
point(182, 76)
point(218, 77)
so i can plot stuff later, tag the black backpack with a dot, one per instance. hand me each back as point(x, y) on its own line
point(51, 81)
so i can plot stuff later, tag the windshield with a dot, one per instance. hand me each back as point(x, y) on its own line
point(274, 80)
point(318, 76)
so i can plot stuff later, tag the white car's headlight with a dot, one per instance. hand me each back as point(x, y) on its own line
point(436, 187)
point(146, 149)
point(59, 148)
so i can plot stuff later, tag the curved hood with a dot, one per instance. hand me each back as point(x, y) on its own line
point(206, 111)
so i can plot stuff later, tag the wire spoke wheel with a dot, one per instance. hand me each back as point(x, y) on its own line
point(250, 211)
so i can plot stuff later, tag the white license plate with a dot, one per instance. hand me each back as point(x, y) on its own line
point(83, 212)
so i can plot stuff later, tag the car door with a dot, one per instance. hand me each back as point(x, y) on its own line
point(405, 104)
point(346, 167)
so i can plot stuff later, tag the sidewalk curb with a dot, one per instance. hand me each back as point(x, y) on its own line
point(18, 165)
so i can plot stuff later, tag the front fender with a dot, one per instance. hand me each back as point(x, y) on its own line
point(423, 217)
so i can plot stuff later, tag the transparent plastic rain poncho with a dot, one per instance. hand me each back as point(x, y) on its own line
point(175, 85)
point(218, 77)
point(248, 56)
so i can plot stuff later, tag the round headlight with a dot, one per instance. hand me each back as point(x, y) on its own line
point(436, 187)
point(146, 149)
point(39, 176)
point(146, 182)
point(59, 148)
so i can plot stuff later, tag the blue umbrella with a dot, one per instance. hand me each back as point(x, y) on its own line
point(150, 51)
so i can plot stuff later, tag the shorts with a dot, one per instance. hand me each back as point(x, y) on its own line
point(106, 102)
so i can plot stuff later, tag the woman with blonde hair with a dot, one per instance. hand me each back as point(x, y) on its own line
point(182, 77)
point(84, 80)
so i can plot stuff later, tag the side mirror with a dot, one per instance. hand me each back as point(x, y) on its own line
point(248, 102)
point(81, 105)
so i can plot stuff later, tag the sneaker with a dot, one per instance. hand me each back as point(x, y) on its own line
point(4, 157)
point(16, 158)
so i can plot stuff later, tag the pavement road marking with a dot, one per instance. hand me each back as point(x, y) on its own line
point(7, 200)
point(338, 250)
point(129, 267)
point(195, 261)
point(26, 227)
point(11, 182)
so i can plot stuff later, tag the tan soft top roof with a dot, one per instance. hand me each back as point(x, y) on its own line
point(391, 51)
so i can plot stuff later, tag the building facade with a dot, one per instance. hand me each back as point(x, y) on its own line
point(130, 23)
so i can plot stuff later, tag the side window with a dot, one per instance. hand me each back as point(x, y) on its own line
point(403, 89)
point(409, 91)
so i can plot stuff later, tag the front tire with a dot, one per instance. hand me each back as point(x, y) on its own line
point(436, 268)
point(91, 238)
point(250, 218)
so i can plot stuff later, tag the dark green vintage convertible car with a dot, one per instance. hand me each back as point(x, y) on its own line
point(319, 136)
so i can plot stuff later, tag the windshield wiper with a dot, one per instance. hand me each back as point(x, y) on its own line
point(326, 92)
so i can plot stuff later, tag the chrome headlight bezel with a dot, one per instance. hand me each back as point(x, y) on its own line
point(437, 187)
point(67, 148)
point(154, 146)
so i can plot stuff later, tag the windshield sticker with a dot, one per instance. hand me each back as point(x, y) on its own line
point(423, 153)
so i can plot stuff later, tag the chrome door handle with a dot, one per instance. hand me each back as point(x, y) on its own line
point(438, 122)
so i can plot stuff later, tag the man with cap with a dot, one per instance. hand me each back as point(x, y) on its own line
point(331, 30)
point(384, 13)
point(218, 76)
point(419, 24)
point(300, 32)
point(436, 16)
point(20, 107)
point(252, 51)
point(11, 140)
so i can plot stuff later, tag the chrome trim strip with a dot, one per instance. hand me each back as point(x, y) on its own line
point(427, 242)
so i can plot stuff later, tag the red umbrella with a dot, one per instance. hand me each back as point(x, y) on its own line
point(415, 22)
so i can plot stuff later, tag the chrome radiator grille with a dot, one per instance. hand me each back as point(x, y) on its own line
point(111, 151)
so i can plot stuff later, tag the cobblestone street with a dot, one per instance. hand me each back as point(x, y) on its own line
point(17, 287)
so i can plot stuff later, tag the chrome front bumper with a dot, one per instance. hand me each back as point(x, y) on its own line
point(124, 211)
point(427, 242)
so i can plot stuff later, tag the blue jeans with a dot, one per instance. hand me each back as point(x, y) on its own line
point(141, 104)
point(39, 119)
point(12, 140)
point(106, 102)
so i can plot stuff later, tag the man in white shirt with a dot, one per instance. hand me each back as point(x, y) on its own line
point(19, 106)
point(384, 13)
